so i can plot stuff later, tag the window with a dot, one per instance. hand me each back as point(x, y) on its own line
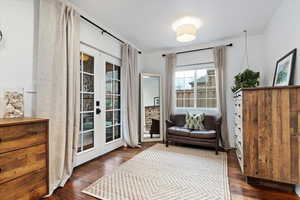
point(113, 102)
point(196, 88)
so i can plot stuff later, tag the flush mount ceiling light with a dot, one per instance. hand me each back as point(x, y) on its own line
point(186, 28)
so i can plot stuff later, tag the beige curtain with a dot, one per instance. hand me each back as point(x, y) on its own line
point(170, 95)
point(220, 63)
point(58, 85)
point(169, 87)
point(130, 92)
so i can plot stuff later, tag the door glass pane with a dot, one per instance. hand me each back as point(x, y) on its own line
point(109, 134)
point(117, 73)
point(109, 102)
point(88, 121)
point(117, 102)
point(116, 87)
point(88, 63)
point(109, 118)
point(109, 87)
point(117, 117)
point(88, 102)
point(117, 132)
point(109, 72)
point(88, 83)
point(88, 140)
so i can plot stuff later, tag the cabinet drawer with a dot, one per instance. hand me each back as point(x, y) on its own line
point(29, 187)
point(18, 163)
point(21, 136)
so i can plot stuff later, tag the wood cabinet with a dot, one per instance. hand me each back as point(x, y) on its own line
point(23, 159)
point(267, 133)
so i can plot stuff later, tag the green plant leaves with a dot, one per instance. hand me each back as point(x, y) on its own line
point(247, 78)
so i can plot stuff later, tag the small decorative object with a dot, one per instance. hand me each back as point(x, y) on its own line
point(247, 78)
point(284, 73)
point(14, 104)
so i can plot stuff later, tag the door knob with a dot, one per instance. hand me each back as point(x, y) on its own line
point(98, 111)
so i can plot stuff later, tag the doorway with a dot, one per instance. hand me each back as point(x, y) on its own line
point(100, 100)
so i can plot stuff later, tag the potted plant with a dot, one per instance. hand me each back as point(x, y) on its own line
point(245, 79)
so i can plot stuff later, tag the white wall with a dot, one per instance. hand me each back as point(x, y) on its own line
point(153, 62)
point(281, 36)
point(16, 50)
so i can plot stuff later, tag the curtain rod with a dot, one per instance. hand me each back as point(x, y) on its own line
point(103, 30)
point(190, 51)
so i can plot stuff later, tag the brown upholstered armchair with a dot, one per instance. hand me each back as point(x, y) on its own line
point(208, 137)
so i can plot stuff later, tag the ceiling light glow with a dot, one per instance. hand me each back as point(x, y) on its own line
point(186, 28)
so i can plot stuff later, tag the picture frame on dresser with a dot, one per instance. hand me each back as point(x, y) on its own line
point(285, 68)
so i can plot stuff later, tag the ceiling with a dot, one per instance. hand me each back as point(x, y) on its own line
point(148, 23)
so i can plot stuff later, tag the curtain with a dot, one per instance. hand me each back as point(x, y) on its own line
point(169, 89)
point(170, 96)
point(220, 62)
point(58, 85)
point(130, 95)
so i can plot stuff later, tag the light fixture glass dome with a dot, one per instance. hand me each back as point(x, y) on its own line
point(186, 33)
point(186, 28)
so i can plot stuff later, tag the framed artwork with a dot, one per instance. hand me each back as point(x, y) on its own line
point(284, 73)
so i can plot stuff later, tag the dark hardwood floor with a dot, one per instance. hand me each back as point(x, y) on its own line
point(86, 174)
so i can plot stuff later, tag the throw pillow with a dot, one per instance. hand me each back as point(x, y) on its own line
point(198, 121)
point(194, 121)
point(189, 121)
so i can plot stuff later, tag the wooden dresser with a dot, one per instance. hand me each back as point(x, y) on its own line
point(267, 133)
point(23, 159)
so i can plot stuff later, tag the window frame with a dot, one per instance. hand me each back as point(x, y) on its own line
point(196, 67)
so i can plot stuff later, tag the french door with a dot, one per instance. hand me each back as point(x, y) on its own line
point(100, 104)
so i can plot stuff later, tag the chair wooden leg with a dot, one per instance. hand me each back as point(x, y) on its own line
point(167, 143)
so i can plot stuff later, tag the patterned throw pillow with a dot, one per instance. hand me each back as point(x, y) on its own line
point(198, 119)
point(189, 121)
point(194, 121)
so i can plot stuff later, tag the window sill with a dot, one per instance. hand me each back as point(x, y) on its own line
point(213, 111)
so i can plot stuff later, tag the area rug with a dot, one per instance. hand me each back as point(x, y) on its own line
point(160, 173)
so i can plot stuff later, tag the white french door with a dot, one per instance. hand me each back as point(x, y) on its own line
point(100, 100)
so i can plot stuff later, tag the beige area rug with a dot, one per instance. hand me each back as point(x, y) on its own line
point(160, 173)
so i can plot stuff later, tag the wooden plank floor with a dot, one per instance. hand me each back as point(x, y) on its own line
point(86, 174)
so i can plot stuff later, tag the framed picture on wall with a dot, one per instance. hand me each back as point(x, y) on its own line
point(285, 66)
